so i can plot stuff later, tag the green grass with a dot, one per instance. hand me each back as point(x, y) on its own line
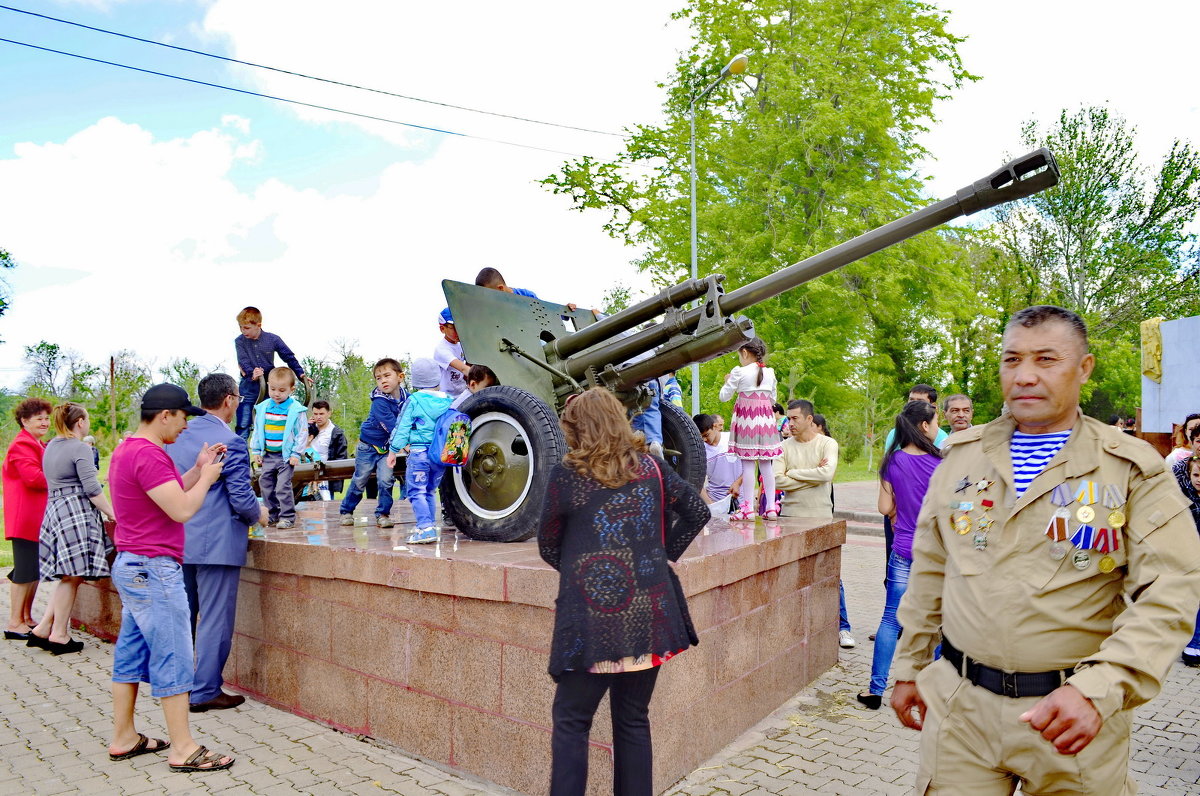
point(6, 559)
point(855, 471)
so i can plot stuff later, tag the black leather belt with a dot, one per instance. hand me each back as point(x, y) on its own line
point(1009, 684)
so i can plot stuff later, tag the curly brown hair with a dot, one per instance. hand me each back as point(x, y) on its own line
point(30, 407)
point(602, 444)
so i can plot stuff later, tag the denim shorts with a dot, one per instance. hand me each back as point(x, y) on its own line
point(155, 643)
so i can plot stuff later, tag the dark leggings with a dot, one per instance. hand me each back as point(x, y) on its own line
point(575, 703)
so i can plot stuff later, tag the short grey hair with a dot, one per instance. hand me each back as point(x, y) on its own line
point(957, 396)
point(1041, 313)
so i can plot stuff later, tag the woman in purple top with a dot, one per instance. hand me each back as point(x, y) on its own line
point(903, 480)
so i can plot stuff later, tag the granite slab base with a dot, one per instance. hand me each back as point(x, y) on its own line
point(441, 649)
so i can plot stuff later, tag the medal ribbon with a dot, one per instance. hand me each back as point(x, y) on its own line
point(1086, 493)
point(1113, 498)
point(1108, 540)
point(1084, 537)
point(1057, 529)
point(1061, 495)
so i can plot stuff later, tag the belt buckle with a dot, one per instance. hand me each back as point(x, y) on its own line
point(1008, 684)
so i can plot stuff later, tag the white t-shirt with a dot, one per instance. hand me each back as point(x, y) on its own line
point(723, 468)
point(445, 352)
point(322, 440)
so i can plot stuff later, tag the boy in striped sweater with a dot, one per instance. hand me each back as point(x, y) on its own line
point(279, 438)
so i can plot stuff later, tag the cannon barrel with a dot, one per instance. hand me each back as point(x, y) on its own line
point(1017, 179)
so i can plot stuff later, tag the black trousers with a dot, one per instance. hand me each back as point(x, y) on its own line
point(575, 703)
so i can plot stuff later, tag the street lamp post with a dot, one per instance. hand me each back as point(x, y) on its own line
point(735, 67)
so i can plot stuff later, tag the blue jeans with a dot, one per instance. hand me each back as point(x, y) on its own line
point(889, 629)
point(247, 397)
point(155, 643)
point(650, 421)
point(1195, 642)
point(366, 461)
point(422, 481)
point(843, 617)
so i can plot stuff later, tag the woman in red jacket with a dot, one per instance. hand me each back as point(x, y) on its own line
point(24, 505)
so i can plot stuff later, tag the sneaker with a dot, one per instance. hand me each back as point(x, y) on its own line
point(283, 525)
point(385, 521)
point(845, 640)
point(347, 519)
point(423, 536)
point(1191, 656)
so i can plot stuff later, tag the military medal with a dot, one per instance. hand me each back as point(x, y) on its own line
point(980, 540)
point(1114, 500)
point(983, 485)
point(1061, 496)
point(962, 524)
point(966, 505)
point(1085, 514)
point(1107, 564)
point(1081, 560)
point(985, 523)
point(963, 484)
point(1057, 531)
point(1107, 539)
point(1086, 494)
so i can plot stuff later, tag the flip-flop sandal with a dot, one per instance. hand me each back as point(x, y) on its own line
point(142, 747)
point(202, 760)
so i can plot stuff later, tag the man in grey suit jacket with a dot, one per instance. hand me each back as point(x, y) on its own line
point(216, 538)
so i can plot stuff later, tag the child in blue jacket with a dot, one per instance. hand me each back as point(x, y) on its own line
point(388, 399)
point(414, 432)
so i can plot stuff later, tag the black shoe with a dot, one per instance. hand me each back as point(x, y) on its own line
point(35, 640)
point(873, 701)
point(66, 648)
point(222, 702)
point(1191, 660)
point(9, 635)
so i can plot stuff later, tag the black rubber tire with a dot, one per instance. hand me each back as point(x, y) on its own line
point(681, 435)
point(526, 417)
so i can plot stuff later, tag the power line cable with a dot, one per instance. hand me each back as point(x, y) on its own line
point(292, 101)
point(306, 76)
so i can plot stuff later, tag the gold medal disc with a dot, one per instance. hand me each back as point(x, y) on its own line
point(962, 525)
point(1116, 518)
point(1107, 564)
point(1085, 514)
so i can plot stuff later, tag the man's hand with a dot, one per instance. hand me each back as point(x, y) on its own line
point(257, 374)
point(209, 473)
point(293, 460)
point(824, 462)
point(391, 460)
point(208, 454)
point(905, 697)
point(572, 307)
point(263, 516)
point(308, 382)
point(1065, 718)
point(256, 460)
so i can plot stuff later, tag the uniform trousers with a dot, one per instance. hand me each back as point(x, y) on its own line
point(575, 702)
point(212, 597)
point(973, 743)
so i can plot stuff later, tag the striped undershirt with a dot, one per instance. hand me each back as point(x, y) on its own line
point(1031, 453)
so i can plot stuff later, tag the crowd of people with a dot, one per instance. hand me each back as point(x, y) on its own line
point(1045, 559)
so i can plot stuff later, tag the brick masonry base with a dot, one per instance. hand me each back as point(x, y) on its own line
point(441, 650)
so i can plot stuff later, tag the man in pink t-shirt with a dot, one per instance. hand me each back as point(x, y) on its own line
point(152, 502)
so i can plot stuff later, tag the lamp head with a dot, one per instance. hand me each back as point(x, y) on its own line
point(737, 66)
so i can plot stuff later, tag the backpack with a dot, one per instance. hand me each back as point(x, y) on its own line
point(450, 438)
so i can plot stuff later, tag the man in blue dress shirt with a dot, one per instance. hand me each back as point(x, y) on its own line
point(216, 538)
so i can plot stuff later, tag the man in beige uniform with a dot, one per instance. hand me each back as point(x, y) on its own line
point(1063, 607)
point(805, 468)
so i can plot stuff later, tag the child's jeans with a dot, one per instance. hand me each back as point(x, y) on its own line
point(247, 398)
point(275, 484)
point(367, 460)
point(424, 475)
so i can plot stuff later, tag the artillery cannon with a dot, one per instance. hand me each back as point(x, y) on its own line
point(544, 353)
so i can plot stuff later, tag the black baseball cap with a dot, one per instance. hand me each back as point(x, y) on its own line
point(169, 396)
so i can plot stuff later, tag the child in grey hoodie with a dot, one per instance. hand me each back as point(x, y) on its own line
point(414, 432)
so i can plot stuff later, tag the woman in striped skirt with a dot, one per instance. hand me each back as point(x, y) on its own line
point(73, 544)
point(754, 436)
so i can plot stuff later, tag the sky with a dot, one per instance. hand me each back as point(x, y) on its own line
point(145, 212)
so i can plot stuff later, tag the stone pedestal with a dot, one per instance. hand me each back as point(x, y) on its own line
point(441, 649)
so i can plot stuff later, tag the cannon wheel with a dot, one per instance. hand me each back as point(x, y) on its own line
point(682, 445)
point(497, 495)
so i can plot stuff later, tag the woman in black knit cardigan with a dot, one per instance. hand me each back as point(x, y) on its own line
point(614, 515)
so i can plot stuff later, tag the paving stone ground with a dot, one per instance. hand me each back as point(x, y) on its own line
point(55, 722)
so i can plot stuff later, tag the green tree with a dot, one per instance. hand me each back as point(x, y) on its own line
point(6, 261)
point(816, 144)
point(45, 361)
point(182, 372)
point(130, 378)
